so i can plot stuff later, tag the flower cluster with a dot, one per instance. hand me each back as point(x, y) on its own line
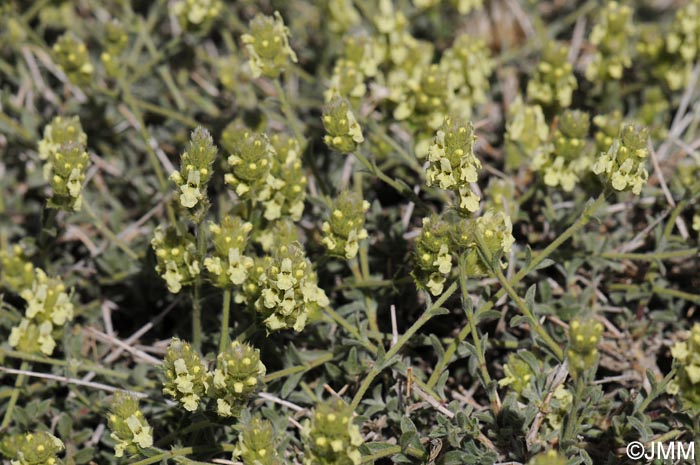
point(16, 271)
point(553, 82)
point(469, 65)
point(502, 197)
point(229, 265)
point(129, 427)
point(176, 256)
point(343, 132)
point(256, 443)
point(49, 308)
point(72, 56)
point(361, 58)
point(331, 437)
point(570, 158)
point(40, 448)
point(584, 335)
point(64, 150)
point(289, 289)
point(623, 164)
point(426, 98)
point(250, 159)
point(686, 356)
point(551, 457)
point(345, 226)
point(285, 189)
point(197, 15)
point(342, 15)
point(611, 36)
point(114, 42)
point(195, 169)
point(186, 377)
point(433, 255)
point(267, 44)
point(526, 134)
point(683, 45)
point(453, 165)
point(609, 126)
point(496, 232)
point(518, 374)
point(238, 376)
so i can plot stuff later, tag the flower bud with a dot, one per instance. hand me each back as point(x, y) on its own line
point(284, 191)
point(495, 230)
point(16, 270)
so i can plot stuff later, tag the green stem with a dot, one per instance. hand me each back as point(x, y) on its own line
point(183, 451)
point(108, 233)
point(48, 222)
point(393, 450)
point(350, 329)
point(469, 310)
point(651, 256)
point(300, 368)
point(424, 318)
point(82, 365)
point(585, 217)
point(225, 320)
point(197, 294)
point(539, 329)
point(19, 382)
point(288, 112)
point(676, 293)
